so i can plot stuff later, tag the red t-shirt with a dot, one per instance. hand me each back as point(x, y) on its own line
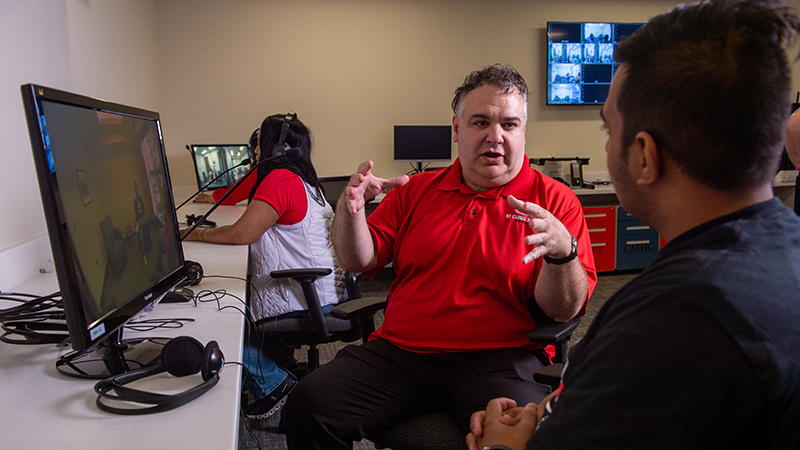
point(242, 192)
point(285, 191)
point(457, 254)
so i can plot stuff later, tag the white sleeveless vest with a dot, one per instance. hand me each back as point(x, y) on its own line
point(306, 244)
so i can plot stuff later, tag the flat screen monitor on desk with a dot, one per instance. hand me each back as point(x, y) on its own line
point(212, 160)
point(422, 143)
point(110, 215)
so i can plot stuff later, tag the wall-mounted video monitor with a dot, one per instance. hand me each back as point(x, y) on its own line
point(580, 60)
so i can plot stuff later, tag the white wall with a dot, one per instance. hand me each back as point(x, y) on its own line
point(103, 49)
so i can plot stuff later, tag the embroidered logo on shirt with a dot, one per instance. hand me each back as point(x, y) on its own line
point(519, 216)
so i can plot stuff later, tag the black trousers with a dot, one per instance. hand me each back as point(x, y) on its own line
point(369, 388)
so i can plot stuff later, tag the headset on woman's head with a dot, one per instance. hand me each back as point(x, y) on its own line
point(281, 147)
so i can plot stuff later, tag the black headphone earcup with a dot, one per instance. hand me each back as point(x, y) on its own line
point(194, 273)
point(279, 153)
point(213, 360)
point(183, 356)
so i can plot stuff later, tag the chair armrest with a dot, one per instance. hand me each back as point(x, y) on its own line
point(300, 273)
point(359, 307)
point(555, 333)
point(306, 279)
point(550, 333)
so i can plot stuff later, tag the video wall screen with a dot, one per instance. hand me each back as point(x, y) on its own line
point(580, 60)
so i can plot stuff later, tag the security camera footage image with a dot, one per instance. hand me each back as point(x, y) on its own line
point(114, 197)
point(580, 61)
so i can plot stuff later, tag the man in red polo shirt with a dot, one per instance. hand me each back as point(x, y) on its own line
point(473, 246)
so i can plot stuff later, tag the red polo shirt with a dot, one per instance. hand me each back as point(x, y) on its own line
point(457, 254)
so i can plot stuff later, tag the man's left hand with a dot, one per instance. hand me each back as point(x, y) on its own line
point(551, 237)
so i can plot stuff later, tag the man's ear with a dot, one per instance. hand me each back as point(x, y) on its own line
point(646, 159)
point(455, 128)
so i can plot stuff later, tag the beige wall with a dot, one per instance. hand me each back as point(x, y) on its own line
point(351, 68)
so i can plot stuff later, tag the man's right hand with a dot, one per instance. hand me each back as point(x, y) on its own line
point(364, 185)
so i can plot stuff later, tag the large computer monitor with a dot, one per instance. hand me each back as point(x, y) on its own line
point(212, 160)
point(110, 215)
point(422, 143)
point(580, 60)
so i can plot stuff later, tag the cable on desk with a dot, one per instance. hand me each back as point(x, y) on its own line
point(154, 324)
point(31, 306)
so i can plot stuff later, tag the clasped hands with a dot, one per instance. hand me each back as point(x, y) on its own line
point(505, 423)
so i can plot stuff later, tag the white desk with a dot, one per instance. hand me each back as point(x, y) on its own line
point(44, 409)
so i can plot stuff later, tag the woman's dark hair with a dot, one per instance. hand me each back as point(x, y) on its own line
point(298, 136)
point(251, 146)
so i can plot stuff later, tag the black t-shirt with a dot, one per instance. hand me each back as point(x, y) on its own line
point(701, 350)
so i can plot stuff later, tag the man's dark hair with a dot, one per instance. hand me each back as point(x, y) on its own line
point(503, 77)
point(710, 82)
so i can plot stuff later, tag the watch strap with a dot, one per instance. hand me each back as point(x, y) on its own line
point(572, 255)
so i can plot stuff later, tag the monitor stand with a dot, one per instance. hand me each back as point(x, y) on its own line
point(113, 356)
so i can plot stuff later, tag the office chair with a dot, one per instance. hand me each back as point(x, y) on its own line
point(437, 431)
point(349, 321)
point(332, 188)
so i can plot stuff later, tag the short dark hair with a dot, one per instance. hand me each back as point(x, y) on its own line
point(710, 82)
point(503, 77)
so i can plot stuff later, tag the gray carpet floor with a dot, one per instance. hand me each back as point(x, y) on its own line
point(262, 434)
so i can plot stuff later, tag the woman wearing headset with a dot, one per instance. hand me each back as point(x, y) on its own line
point(287, 226)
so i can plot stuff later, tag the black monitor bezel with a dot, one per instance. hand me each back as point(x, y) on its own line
point(80, 330)
point(436, 158)
point(192, 149)
point(596, 87)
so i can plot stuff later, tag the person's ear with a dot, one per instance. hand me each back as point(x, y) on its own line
point(645, 159)
point(455, 128)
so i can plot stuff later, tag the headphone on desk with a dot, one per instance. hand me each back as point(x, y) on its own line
point(194, 273)
point(281, 147)
point(181, 356)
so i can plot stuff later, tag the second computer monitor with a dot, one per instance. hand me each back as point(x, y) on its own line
point(212, 160)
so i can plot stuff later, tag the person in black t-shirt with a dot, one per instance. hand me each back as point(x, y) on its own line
point(702, 349)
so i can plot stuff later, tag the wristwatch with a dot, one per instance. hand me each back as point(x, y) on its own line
point(572, 255)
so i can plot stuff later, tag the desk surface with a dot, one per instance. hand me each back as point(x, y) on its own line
point(45, 409)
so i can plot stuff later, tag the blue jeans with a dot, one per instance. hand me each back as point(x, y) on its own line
point(262, 375)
